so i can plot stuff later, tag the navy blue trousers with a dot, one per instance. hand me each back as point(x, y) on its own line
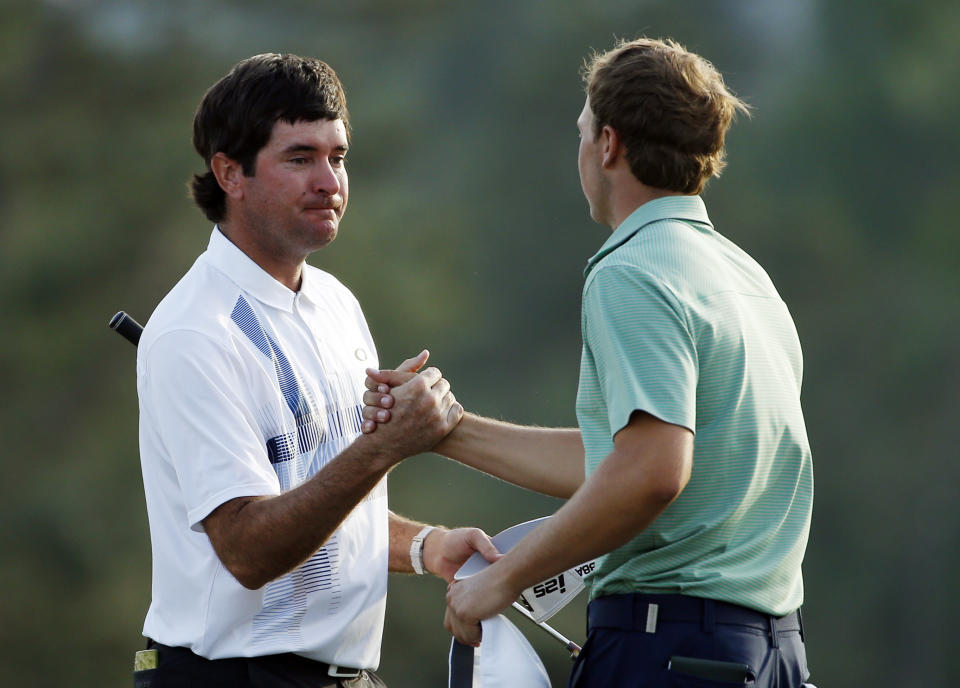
point(676, 641)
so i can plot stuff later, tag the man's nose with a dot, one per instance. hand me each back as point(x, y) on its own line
point(326, 181)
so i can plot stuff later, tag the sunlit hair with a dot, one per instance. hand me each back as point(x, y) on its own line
point(237, 114)
point(670, 108)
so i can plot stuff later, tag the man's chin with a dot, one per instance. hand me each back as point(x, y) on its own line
point(599, 215)
point(323, 242)
point(595, 215)
point(324, 233)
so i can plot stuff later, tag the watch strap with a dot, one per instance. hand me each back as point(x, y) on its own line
point(416, 550)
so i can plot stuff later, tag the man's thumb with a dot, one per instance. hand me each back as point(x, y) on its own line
point(391, 378)
point(412, 365)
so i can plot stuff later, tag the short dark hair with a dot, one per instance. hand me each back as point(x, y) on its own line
point(670, 107)
point(237, 114)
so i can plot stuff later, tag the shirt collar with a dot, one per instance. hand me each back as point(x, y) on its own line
point(238, 266)
point(310, 285)
point(689, 208)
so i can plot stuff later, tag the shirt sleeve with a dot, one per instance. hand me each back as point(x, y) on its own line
point(195, 395)
point(645, 357)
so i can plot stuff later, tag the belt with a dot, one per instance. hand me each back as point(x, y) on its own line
point(288, 659)
point(642, 612)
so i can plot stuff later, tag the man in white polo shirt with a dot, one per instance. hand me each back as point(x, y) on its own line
point(267, 504)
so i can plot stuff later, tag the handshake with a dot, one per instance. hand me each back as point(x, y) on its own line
point(413, 409)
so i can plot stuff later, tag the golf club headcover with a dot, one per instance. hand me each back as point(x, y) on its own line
point(544, 599)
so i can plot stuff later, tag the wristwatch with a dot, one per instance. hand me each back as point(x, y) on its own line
point(416, 550)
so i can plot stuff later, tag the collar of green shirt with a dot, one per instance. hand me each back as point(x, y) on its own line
point(688, 208)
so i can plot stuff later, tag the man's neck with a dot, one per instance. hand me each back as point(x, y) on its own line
point(287, 273)
point(631, 197)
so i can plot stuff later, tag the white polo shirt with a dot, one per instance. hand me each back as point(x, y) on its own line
point(246, 389)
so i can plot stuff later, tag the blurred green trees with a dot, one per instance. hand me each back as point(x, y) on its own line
point(467, 234)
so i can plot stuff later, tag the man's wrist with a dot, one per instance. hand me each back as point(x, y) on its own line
point(416, 550)
point(381, 455)
point(448, 445)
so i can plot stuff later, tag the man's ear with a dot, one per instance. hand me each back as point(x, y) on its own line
point(229, 174)
point(611, 146)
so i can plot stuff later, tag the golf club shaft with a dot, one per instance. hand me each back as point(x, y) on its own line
point(127, 326)
point(571, 646)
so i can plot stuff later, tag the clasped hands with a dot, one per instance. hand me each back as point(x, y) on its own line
point(421, 406)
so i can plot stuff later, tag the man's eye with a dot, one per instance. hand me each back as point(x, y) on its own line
point(298, 161)
point(338, 160)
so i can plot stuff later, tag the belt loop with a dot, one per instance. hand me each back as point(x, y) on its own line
point(653, 610)
point(774, 636)
point(644, 613)
point(803, 638)
point(708, 619)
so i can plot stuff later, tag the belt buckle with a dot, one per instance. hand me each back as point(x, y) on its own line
point(343, 672)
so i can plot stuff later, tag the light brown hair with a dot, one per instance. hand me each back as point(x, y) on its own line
point(670, 108)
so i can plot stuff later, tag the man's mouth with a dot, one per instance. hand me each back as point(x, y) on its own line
point(329, 213)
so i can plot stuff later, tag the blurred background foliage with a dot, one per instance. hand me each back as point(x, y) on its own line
point(467, 233)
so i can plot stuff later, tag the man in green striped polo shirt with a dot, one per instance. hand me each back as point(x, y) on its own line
point(690, 475)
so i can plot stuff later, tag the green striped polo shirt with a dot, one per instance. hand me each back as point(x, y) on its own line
point(680, 323)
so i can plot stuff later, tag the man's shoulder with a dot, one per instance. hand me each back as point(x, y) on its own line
point(663, 240)
point(652, 256)
point(685, 255)
point(201, 301)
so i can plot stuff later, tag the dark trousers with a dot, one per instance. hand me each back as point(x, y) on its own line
point(178, 667)
point(649, 641)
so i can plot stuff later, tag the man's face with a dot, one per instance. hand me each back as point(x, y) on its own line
point(592, 182)
point(293, 203)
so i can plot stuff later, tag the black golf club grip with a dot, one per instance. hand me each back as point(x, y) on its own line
point(127, 326)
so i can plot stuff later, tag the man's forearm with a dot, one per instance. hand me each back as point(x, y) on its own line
point(402, 532)
point(547, 460)
point(595, 521)
point(261, 538)
point(648, 467)
point(646, 471)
